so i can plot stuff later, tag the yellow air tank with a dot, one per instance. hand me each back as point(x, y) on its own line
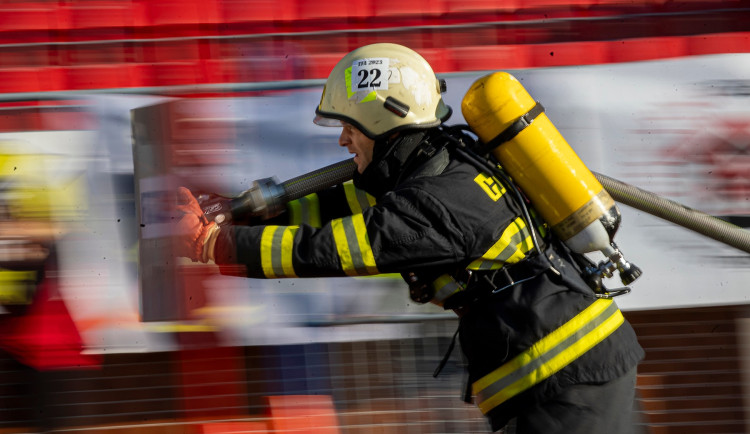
point(515, 129)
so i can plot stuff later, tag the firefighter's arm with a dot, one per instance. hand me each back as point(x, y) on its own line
point(315, 210)
point(382, 239)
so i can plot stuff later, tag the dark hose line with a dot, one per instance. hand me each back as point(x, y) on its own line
point(627, 194)
point(317, 180)
point(676, 213)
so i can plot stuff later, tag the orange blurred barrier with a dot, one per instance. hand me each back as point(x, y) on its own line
point(234, 427)
point(213, 383)
point(303, 413)
point(313, 414)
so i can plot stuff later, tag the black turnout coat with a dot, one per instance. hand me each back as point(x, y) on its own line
point(460, 231)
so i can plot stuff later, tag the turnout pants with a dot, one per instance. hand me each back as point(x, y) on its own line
point(609, 408)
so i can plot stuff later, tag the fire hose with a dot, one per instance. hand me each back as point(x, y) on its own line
point(267, 198)
point(677, 213)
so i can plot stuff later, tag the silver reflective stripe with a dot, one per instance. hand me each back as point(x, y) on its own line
point(353, 246)
point(549, 354)
point(444, 287)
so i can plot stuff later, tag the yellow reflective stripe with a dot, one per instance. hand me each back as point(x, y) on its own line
point(296, 212)
point(548, 355)
point(266, 250)
point(342, 245)
point(287, 251)
point(351, 198)
point(171, 327)
point(357, 199)
point(360, 229)
point(353, 246)
point(276, 250)
point(512, 246)
point(444, 287)
point(396, 276)
point(561, 333)
point(370, 199)
point(305, 210)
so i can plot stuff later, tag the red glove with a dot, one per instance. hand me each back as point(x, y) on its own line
point(192, 229)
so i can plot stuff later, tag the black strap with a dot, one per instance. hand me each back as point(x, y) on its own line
point(447, 355)
point(467, 390)
point(513, 130)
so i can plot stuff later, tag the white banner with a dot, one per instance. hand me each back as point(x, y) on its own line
point(679, 128)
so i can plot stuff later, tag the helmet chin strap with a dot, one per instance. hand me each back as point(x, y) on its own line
point(390, 159)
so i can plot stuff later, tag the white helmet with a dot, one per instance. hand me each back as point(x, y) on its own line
point(380, 89)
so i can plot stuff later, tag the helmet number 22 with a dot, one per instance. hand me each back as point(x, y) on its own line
point(364, 75)
point(370, 74)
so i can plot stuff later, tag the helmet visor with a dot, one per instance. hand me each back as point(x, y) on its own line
point(327, 122)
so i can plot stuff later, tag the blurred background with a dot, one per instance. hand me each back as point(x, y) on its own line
point(107, 105)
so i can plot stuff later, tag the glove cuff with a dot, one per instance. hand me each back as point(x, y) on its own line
point(209, 242)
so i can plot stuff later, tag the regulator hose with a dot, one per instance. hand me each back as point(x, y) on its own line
point(676, 213)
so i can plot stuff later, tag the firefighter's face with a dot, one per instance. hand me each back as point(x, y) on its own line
point(358, 144)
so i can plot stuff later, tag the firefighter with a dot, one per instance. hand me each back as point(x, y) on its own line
point(543, 350)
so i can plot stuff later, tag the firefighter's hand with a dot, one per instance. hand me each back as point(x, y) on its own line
point(188, 204)
point(193, 229)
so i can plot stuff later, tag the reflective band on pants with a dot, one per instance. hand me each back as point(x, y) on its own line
point(548, 355)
